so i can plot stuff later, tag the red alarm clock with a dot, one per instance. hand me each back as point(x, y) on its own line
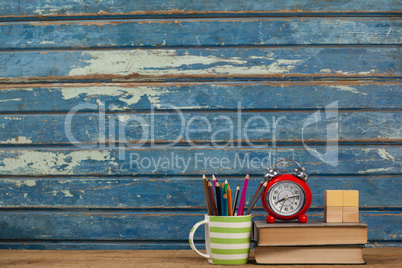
point(287, 196)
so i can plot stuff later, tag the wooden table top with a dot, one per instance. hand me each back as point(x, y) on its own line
point(375, 257)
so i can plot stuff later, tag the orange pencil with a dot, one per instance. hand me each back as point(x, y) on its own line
point(230, 211)
point(222, 192)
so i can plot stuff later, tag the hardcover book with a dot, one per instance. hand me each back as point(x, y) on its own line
point(343, 254)
point(310, 233)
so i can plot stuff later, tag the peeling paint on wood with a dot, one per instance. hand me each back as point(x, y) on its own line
point(57, 196)
point(47, 161)
point(164, 64)
point(187, 127)
point(194, 32)
point(135, 245)
point(45, 8)
point(141, 226)
point(171, 192)
point(202, 96)
point(194, 160)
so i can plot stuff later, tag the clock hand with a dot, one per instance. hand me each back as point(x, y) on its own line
point(286, 197)
point(282, 199)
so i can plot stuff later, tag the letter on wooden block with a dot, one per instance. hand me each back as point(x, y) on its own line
point(350, 214)
point(332, 198)
point(350, 198)
point(333, 214)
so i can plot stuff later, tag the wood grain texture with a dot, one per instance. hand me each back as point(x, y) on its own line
point(57, 246)
point(195, 160)
point(201, 96)
point(43, 8)
point(197, 32)
point(271, 58)
point(224, 63)
point(172, 192)
point(146, 226)
point(188, 128)
point(158, 258)
point(106, 245)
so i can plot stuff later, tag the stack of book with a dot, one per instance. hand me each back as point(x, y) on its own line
point(315, 242)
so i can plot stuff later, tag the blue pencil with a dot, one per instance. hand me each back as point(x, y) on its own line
point(225, 205)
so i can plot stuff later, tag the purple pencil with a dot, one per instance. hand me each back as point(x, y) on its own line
point(243, 197)
point(213, 180)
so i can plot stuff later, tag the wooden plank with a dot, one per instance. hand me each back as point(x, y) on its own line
point(172, 192)
point(173, 64)
point(186, 160)
point(57, 246)
point(375, 257)
point(145, 226)
point(199, 32)
point(261, 127)
point(201, 96)
point(43, 8)
point(109, 246)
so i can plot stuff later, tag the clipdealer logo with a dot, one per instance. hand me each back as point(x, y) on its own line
point(238, 131)
point(330, 156)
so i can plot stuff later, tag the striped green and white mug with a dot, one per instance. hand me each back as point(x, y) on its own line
point(227, 239)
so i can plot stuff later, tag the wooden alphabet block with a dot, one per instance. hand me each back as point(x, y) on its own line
point(350, 198)
point(350, 214)
point(333, 214)
point(332, 198)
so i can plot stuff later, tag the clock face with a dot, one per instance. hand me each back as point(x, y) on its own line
point(286, 198)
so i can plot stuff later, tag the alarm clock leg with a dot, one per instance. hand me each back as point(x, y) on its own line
point(270, 219)
point(303, 218)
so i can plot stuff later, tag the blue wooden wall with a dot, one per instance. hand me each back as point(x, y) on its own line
point(278, 61)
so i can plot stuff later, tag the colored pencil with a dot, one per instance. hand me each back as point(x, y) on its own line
point(218, 199)
point(212, 198)
point(259, 186)
point(243, 197)
point(226, 186)
point(213, 180)
point(225, 204)
point(236, 197)
point(229, 193)
point(222, 191)
point(256, 197)
point(205, 182)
